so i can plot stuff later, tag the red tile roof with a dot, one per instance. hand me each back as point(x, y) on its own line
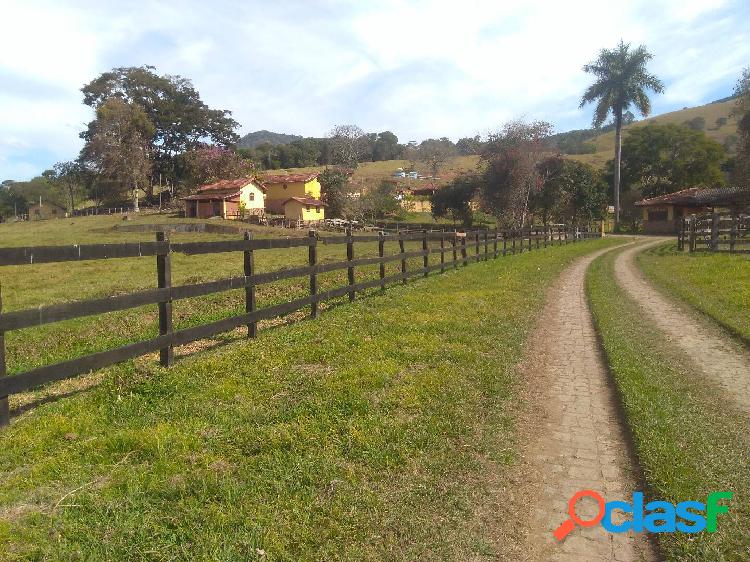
point(306, 201)
point(698, 196)
point(236, 184)
point(289, 178)
point(207, 195)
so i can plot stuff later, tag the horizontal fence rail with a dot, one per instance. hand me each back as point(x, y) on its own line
point(714, 232)
point(453, 248)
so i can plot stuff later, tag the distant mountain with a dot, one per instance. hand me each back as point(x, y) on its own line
point(251, 140)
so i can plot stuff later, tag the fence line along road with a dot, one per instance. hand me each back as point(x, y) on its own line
point(715, 232)
point(461, 248)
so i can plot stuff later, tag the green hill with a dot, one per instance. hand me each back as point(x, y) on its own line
point(721, 131)
point(251, 140)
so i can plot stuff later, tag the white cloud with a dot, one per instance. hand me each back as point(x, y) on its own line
point(420, 68)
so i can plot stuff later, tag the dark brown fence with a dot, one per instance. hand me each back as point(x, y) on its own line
point(454, 249)
point(714, 232)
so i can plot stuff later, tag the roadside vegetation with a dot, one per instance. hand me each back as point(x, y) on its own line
point(688, 441)
point(717, 284)
point(364, 434)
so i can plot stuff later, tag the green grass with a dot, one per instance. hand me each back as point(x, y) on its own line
point(688, 441)
point(716, 284)
point(365, 434)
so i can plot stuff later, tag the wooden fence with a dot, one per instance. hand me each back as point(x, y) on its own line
point(454, 249)
point(714, 232)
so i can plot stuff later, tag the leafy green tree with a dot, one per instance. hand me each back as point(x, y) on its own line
point(335, 191)
point(621, 82)
point(381, 201)
point(435, 153)
point(659, 159)
point(118, 143)
point(67, 177)
point(12, 201)
point(347, 145)
point(386, 147)
point(456, 197)
point(181, 120)
point(571, 192)
point(469, 145)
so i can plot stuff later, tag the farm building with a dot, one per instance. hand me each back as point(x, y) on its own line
point(661, 214)
point(47, 210)
point(282, 188)
point(228, 199)
point(304, 209)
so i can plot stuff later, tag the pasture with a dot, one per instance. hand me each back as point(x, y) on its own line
point(364, 434)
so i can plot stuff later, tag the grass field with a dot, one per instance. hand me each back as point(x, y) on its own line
point(605, 143)
point(716, 284)
point(356, 436)
point(688, 441)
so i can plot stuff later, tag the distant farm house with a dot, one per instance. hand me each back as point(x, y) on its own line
point(47, 210)
point(661, 215)
point(228, 199)
point(296, 196)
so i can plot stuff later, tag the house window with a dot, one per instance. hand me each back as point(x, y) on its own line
point(251, 197)
point(657, 215)
point(307, 207)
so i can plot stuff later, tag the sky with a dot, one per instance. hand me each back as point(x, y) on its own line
point(422, 68)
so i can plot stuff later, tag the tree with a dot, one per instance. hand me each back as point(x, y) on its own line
point(209, 164)
point(118, 143)
point(386, 147)
point(741, 171)
point(571, 192)
point(469, 145)
point(621, 81)
point(180, 119)
point(346, 145)
point(455, 198)
point(435, 153)
point(659, 159)
point(67, 177)
point(334, 190)
point(381, 201)
point(510, 172)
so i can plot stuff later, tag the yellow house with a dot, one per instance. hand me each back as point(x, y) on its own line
point(228, 199)
point(281, 188)
point(304, 209)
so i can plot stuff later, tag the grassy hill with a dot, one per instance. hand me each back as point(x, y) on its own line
point(605, 142)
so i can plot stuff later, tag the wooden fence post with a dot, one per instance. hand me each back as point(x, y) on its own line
point(4, 405)
point(486, 247)
point(529, 239)
point(505, 242)
point(691, 235)
point(249, 263)
point(442, 253)
point(426, 257)
point(513, 237)
point(733, 233)
point(536, 237)
point(454, 247)
point(494, 244)
point(476, 246)
point(312, 261)
point(164, 279)
point(349, 258)
point(464, 257)
point(403, 259)
point(381, 254)
point(714, 231)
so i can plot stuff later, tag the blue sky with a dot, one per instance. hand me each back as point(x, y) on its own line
point(419, 68)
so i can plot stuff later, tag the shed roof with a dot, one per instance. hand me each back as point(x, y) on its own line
point(306, 201)
point(289, 178)
point(235, 184)
point(214, 194)
point(700, 196)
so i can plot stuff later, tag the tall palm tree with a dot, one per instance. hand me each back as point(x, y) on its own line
point(621, 81)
